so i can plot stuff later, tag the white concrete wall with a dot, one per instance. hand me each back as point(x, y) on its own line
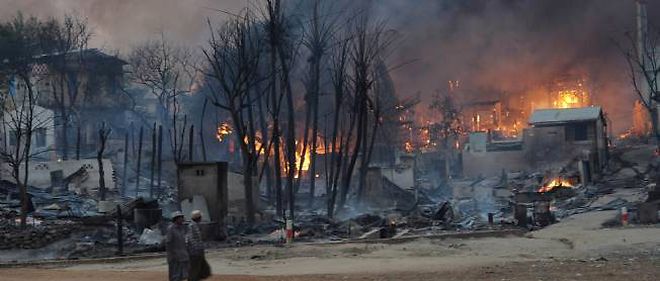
point(40, 173)
point(403, 178)
point(43, 119)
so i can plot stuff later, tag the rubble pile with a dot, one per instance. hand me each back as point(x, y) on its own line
point(34, 236)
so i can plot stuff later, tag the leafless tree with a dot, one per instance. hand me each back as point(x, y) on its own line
point(317, 42)
point(167, 71)
point(643, 59)
point(19, 45)
point(66, 42)
point(283, 52)
point(368, 48)
point(339, 138)
point(233, 56)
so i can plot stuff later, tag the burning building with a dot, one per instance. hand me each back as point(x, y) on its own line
point(483, 115)
point(555, 138)
point(569, 92)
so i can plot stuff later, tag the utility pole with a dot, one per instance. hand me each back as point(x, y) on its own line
point(642, 33)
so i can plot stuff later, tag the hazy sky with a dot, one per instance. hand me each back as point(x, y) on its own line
point(491, 46)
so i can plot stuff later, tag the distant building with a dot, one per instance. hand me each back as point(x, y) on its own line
point(94, 81)
point(43, 132)
point(482, 115)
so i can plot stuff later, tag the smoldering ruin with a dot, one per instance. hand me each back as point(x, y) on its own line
point(321, 121)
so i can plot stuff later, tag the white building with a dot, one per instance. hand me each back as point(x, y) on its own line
point(43, 132)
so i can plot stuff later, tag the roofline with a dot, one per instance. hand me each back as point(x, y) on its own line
point(547, 123)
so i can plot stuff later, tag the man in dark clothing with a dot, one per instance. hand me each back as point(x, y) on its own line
point(178, 261)
point(199, 268)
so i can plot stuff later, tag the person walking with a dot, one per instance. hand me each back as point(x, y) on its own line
point(199, 267)
point(178, 261)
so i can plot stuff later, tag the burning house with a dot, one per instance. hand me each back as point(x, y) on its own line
point(567, 133)
point(555, 139)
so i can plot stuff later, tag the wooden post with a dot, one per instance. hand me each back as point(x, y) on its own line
point(201, 130)
point(139, 158)
point(124, 177)
point(191, 139)
point(153, 161)
point(160, 157)
point(78, 143)
point(120, 236)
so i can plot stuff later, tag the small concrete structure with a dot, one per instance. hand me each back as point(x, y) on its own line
point(223, 191)
point(208, 180)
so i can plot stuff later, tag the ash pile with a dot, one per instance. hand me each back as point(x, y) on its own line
point(76, 225)
point(627, 185)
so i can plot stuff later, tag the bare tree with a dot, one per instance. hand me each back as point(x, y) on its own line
point(368, 47)
point(284, 50)
point(643, 59)
point(167, 71)
point(317, 41)
point(66, 41)
point(233, 55)
point(338, 145)
point(19, 45)
point(273, 28)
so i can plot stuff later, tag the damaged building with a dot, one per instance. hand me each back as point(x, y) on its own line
point(555, 138)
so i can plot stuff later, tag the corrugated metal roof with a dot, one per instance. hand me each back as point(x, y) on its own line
point(552, 116)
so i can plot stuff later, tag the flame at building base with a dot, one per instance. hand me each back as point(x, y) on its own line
point(555, 183)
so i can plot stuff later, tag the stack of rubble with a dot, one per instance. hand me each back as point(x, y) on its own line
point(33, 236)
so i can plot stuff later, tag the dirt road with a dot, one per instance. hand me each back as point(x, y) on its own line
point(597, 270)
point(577, 248)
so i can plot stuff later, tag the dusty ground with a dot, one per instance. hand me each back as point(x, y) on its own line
point(577, 248)
point(597, 270)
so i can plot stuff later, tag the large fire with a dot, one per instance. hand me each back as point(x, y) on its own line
point(305, 159)
point(555, 184)
point(568, 99)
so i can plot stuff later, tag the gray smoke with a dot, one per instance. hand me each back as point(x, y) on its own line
point(491, 46)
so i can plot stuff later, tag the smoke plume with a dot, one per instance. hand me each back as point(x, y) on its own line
point(491, 46)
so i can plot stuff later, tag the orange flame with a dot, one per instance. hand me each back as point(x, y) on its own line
point(555, 183)
point(224, 129)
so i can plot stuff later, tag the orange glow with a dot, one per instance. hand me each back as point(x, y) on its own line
point(224, 130)
point(258, 143)
point(408, 147)
point(304, 160)
point(569, 99)
point(555, 183)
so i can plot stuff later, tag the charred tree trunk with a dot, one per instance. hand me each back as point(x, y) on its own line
point(265, 139)
point(103, 138)
point(201, 130)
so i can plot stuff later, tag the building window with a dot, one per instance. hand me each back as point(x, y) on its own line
point(577, 132)
point(40, 135)
point(12, 137)
point(199, 172)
